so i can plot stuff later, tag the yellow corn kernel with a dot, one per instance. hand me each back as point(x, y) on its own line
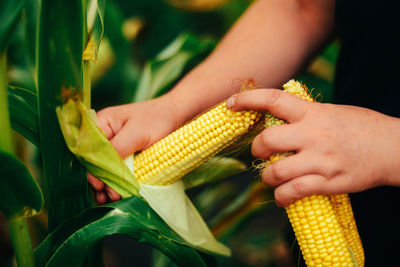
point(191, 145)
point(344, 213)
point(324, 225)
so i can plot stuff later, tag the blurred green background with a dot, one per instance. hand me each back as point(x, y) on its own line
point(148, 45)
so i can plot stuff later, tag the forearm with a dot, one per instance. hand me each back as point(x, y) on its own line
point(269, 44)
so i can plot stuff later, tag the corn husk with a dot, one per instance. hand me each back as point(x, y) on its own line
point(97, 154)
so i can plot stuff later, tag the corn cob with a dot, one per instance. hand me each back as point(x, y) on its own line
point(171, 158)
point(344, 213)
point(324, 225)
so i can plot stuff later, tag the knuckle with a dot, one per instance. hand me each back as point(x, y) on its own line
point(266, 178)
point(277, 172)
point(300, 187)
point(333, 168)
point(102, 122)
point(272, 96)
point(103, 117)
point(279, 197)
point(265, 138)
point(260, 148)
point(104, 112)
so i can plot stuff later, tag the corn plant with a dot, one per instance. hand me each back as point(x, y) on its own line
point(67, 41)
point(62, 41)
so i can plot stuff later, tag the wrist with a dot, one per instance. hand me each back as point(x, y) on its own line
point(393, 158)
point(197, 92)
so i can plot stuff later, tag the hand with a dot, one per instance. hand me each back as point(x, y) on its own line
point(339, 149)
point(131, 128)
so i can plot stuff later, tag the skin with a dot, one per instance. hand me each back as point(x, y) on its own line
point(122, 124)
point(277, 53)
point(339, 148)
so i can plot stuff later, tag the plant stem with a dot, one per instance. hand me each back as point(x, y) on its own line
point(6, 143)
point(86, 83)
point(21, 241)
point(86, 63)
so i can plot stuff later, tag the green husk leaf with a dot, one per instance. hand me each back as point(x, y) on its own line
point(9, 14)
point(68, 244)
point(23, 112)
point(216, 169)
point(93, 149)
point(101, 159)
point(19, 192)
point(176, 209)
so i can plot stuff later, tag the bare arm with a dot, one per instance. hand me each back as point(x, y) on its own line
point(269, 43)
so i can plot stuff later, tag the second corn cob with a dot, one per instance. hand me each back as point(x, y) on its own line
point(324, 225)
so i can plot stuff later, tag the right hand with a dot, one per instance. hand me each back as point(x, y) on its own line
point(132, 128)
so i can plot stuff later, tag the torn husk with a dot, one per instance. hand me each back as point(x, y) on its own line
point(176, 209)
point(98, 155)
point(93, 149)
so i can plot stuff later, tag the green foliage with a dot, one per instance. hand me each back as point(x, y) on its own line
point(19, 192)
point(68, 244)
point(68, 33)
point(214, 170)
point(95, 10)
point(9, 14)
point(5, 128)
point(168, 66)
point(23, 113)
point(59, 74)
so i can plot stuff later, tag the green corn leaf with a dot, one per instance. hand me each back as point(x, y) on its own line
point(252, 200)
point(6, 142)
point(216, 169)
point(59, 68)
point(9, 14)
point(68, 244)
point(29, 21)
point(124, 73)
point(23, 112)
point(19, 192)
point(168, 66)
point(156, 76)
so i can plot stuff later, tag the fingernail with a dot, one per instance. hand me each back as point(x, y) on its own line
point(230, 102)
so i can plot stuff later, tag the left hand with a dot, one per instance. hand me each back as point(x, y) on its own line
point(339, 149)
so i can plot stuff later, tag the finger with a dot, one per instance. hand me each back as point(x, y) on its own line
point(288, 168)
point(104, 124)
point(114, 196)
point(279, 103)
point(94, 182)
point(298, 188)
point(126, 143)
point(275, 139)
point(101, 197)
